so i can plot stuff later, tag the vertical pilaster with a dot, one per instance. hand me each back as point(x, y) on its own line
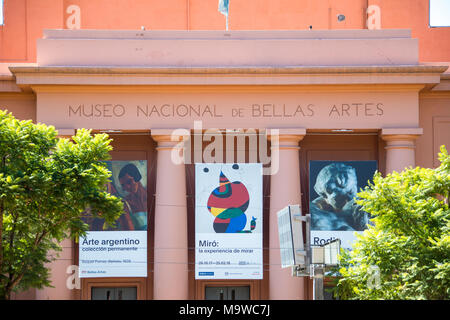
point(284, 190)
point(171, 239)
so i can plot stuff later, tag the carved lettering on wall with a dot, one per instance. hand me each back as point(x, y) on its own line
point(252, 111)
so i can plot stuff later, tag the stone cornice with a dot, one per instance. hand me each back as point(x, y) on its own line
point(38, 78)
point(288, 70)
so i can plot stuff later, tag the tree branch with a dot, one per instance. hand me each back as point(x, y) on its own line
point(11, 241)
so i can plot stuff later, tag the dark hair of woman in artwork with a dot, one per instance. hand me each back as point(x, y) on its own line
point(132, 171)
point(136, 197)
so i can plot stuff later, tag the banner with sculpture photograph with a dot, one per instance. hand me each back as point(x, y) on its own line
point(333, 186)
point(228, 221)
point(119, 251)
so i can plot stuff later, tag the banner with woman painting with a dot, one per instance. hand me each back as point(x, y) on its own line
point(119, 251)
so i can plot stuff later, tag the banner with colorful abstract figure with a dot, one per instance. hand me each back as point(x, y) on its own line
point(120, 251)
point(228, 221)
point(333, 186)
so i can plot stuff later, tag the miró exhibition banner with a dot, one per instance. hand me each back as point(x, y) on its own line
point(120, 251)
point(228, 221)
point(333, 187)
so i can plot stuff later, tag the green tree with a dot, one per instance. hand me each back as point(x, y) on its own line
point(406, 254)
point(45, 185)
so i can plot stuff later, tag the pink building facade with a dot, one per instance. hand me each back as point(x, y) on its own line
point(335, 95)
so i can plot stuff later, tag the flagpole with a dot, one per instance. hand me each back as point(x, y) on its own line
point(227, 22)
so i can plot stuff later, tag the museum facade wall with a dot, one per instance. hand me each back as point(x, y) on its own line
point(281, 99)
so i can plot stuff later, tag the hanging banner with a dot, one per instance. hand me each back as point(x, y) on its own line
point(228, 221)
point(121, 251)
point(333, 186)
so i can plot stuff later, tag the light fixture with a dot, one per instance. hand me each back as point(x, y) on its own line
point(342, 130)
point(110, 131)
point(340, 17)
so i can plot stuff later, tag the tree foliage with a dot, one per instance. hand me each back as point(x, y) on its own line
point(46, 183)
point(406, 254)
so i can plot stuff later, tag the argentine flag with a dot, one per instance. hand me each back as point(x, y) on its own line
point(223, 7)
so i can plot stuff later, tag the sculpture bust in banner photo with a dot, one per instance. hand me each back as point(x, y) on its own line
point(335, 208)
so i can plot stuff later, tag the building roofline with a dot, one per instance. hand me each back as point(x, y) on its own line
point(230, 70)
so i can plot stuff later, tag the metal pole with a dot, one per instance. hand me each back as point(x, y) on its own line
point(318, 282)
point(308, 257)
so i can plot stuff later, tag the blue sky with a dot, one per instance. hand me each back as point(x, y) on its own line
point(439, 13)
